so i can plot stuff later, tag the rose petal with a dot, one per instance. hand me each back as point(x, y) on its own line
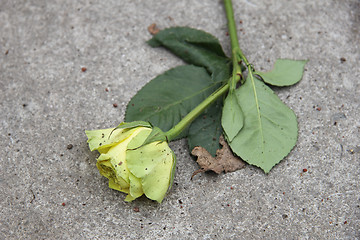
point(136, 189)
point(103, 139)
point(153, 164)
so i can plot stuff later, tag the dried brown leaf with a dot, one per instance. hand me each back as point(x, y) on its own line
point(225, 161)
point(153, 29)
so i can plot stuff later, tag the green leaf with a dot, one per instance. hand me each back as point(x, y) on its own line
point(194, 46)
point(286, 72)
point(201, 49)
point(165, 100)
point(270, 128)
point(232, 119)
point(206, 129)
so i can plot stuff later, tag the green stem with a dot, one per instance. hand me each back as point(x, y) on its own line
point(236, 51)
point(237, 54)
point(191, 116)
point(231, 25)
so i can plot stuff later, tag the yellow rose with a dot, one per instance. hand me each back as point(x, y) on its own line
point(136, 159)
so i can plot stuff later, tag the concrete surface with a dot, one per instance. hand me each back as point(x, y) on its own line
point(48, 191)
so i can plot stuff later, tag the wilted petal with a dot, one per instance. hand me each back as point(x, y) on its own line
point(103, 139)
point(121, 186)
point(136, 189)
point(153, 164)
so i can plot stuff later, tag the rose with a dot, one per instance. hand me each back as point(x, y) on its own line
point(136, 159)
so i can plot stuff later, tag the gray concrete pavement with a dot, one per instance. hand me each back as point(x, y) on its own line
point(50, 190)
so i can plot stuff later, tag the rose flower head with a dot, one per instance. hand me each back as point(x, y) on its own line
point(136, 159)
